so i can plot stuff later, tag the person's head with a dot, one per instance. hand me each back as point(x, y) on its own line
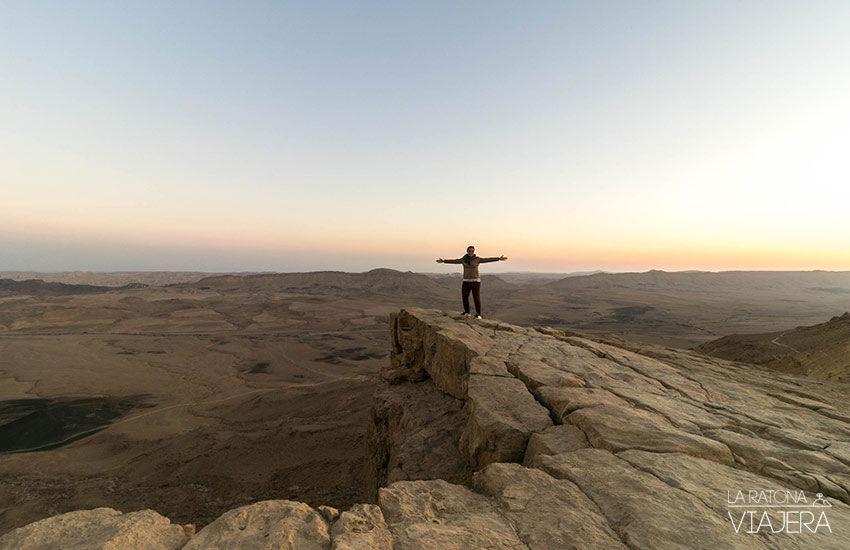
point(470, 250)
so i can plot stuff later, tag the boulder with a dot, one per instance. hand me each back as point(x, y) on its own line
point(437, 515)
point(361, 528)
point(98, 529)
point(267, 525)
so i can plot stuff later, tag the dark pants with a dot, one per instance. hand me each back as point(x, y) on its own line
point(475, 288)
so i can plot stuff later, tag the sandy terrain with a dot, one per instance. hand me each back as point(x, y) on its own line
point(214, 401)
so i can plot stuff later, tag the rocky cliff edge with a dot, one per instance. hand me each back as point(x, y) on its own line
point(489, 435)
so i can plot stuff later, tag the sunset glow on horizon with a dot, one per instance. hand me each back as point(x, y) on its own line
point(568, 136)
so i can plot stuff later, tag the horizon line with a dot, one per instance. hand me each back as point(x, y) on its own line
point(275, 272)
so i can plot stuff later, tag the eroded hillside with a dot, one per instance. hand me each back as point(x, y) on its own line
point(820, 351)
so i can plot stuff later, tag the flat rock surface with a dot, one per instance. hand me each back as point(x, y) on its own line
point(547, 512)
point(563, 438)
point(646, 512)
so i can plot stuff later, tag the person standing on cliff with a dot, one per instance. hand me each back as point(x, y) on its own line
point(471, 278)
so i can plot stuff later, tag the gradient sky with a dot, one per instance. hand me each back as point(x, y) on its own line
point(350, 135)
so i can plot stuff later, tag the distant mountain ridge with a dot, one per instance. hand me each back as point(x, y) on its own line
point(37, 287)
point(381, 280)
point(112, 278)
point(818, 281)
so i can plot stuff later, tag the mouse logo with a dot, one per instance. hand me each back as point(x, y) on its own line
point(821, 501)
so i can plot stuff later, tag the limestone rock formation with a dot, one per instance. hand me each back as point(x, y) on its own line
point(547, 512)
point(415, 435)
point(466, 362)
point(361, 528)
point(435, 514)
point(623, 415)
point(99, 529)
point(563, 438)
point(502, 416)
point(267, 525)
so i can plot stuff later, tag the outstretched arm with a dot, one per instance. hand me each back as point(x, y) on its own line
point(493, 259)
point(457, 261)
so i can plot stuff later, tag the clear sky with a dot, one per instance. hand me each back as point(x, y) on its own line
point(290, 136)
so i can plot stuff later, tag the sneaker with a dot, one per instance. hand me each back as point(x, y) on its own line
point(465, 314)
point(477, 316)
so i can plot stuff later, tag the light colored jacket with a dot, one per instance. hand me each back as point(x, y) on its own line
point(470, 266)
